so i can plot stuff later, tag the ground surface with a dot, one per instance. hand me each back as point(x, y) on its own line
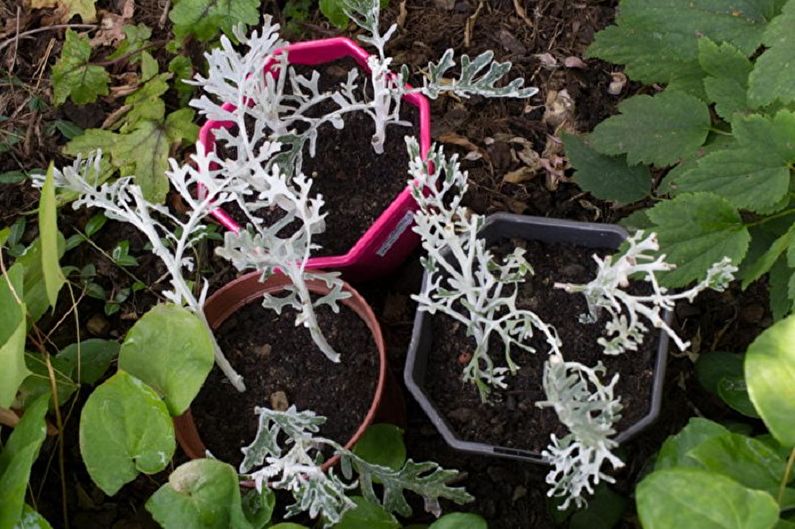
point(515, 162)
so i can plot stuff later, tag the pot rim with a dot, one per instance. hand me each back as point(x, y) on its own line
point(248, 288)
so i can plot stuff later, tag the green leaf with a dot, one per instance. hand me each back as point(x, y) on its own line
point(655, 130)
point(135, 38)
point(755, 174)
point(31, 520)
point(204, 18)
point(674, 451)
point(258, 507)
point(170, 349)
point(367, 515)
point(460, 520)
point(773, 77)
point(606, 177)
point(38, 382)
point(88, 360)
point(382, 444)
point(779, 277)
point(604, 510)
point(91, 140)
point(768, 259)
point(770, 375)
point(182, 68)
point(35, 288)
point(125, 429)
point(17, 458)
point(12, 336)
point(696, 230)
point(288, 525)
point(200, 494)
point(722, 374)
point(73, 76)
point(747, 461)
point(727, 81)
point(333, 11)
point(658, 39)
point(48, 228)
point(695, 498)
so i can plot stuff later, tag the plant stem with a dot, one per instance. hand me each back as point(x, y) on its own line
point(785, 477)
point(721, 132)
point(778, 215)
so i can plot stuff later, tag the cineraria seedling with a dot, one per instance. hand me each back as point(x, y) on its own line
point(297, 468)
point(625, 330)
point(589, 409)
point(464, 280)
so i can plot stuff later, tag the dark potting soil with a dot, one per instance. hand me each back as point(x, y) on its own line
point(273, 355)
point(511, 418)
point(356, 183)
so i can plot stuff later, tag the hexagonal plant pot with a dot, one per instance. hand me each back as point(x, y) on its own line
point(509, 226)
point(390, 239)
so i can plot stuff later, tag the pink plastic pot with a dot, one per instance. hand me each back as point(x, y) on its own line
point(389, 241)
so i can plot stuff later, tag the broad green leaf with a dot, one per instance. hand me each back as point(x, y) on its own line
point(91, 140)
point(74, 76)
point(17, 458)
point(30, 519)
point(722, 374)
point(696, 230)
point(779, 277)
point(333, 11)
point(606, 177)
point(182, 68)
point(38, 382)
point(35, 288)
point(770, 375)
point(200, 494)
point(694, 498)
point(769, 258)
point(204, 18)
point(773, 77)
point(382, 444)
point(727, 71)
point(655, 130)
point(658, 39)
point(637, 220)
point(88, 360)
point(258, 507)
point(149, 66)
point(5, 233)
point(604, 510)
point(146, 103)
point(13, 330)
point(747, 461)
point(734, 392)
point(460, 520)
point(367, 515)
point(171, 350)
point(48, 234)
point(755, 174)
point(125, 429)
point(674, 450)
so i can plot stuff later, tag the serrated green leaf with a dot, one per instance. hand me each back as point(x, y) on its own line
point(16, 460)
point(770, 375)
point(149, 66)
point(755, 174)
point(124, 429)
point(91, 140)
point(727, 81)
point(135, 38)
point(73, 76)
point(655, 130)
point(12, 335)
point(657, 39)
point(767, 260)
point(696, 498)
point(84, 8)
point(773, 76)
point(145, 103)
point(200, 494)
point(606, 177)
point(696, 230)
point(333, 11)
point(715, 142)
point(48, 228)
point(204, 18)
point(171, 350)
point(180, 126)
point(144, 153)
point(182, 68)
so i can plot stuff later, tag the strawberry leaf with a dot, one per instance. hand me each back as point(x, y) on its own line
point(773, 77)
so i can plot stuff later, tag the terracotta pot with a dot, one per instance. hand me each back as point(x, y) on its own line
point(248, 289)
point(389, 240)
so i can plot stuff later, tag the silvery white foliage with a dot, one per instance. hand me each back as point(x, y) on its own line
point(589, 409)
point(625, 330)
point(266, 248)
point(170, 237)
point(296, 467)
point(464, 280)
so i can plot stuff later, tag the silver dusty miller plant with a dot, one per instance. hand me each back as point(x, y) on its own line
point(286, 454)
point(625, 329)
point(465, 281)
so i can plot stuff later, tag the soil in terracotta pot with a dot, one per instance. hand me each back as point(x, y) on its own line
point(356, 183)
point(273, 355)
point(512, 419)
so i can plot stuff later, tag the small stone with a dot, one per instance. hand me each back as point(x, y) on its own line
point(573, 270)
point(279, 401)
point(464, 358)
point(263, 351)
point(617, 83)
point(98, 325)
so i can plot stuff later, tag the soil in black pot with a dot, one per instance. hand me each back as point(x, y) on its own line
point(356, 183)
point(273, 355)
point(511, 419)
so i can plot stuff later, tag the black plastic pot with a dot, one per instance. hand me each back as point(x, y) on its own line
point(502, 226)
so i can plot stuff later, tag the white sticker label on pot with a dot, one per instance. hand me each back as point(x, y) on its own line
point(390, 241)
